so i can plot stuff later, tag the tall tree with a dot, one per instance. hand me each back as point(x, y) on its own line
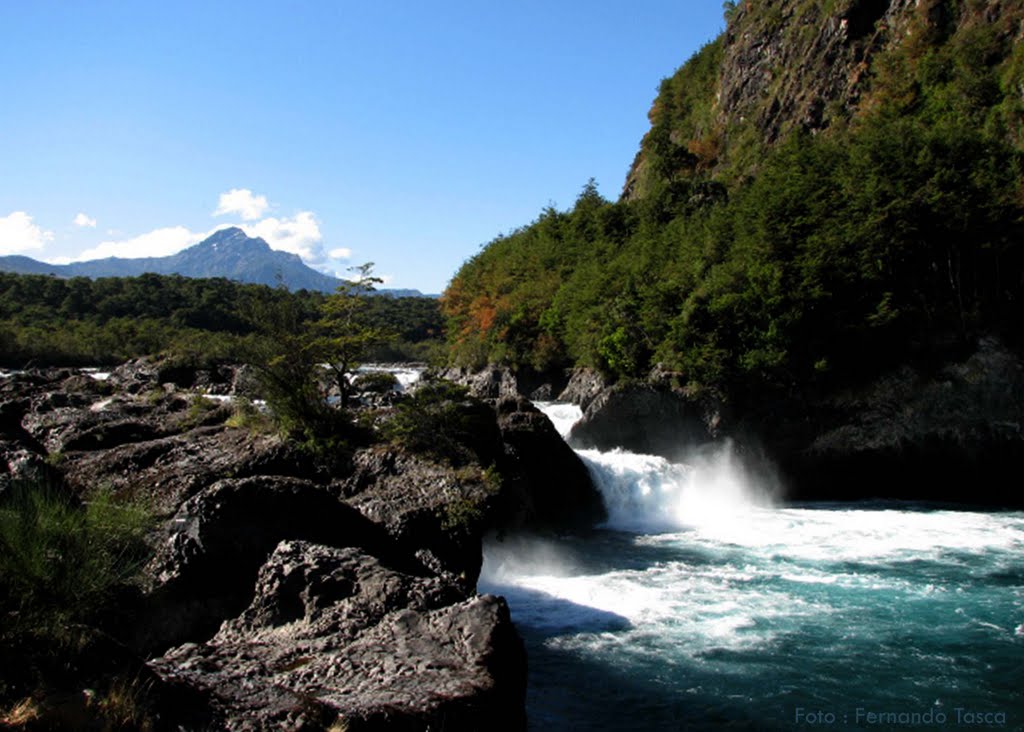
point(342, 337)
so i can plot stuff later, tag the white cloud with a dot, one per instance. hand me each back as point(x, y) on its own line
point(156, 243)
point(340, 253)
point(243, 202)
point(19, 234)
point(298, 235)
point(83, 220)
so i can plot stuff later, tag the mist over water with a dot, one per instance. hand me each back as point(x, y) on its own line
point(702, 604)
point(649, 494)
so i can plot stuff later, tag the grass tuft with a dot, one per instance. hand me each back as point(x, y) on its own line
point(62, 561)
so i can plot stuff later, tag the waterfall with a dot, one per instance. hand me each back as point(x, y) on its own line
point(649, 494)
point(562, 415)
point(406, 376)
point(701, 606)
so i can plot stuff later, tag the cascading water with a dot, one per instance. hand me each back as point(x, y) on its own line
point(700, 605)
point(405, 376)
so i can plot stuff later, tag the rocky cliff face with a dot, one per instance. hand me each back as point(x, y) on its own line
point(786, 65)
point(804, 65)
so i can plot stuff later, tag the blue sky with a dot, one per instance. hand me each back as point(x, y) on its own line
point(403, 133)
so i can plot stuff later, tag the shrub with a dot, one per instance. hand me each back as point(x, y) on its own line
point(376, 382)
point(438, 419)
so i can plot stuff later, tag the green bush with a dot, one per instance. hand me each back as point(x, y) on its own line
point(376, 382)
point(438, 420)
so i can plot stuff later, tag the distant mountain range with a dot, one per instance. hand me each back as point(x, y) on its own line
point(227, 253)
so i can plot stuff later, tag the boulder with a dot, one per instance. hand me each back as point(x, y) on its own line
point(92, 422)
point(204, 569)
point(334, 636)
point(212, 379)
point(501, 382)
point(429, 508)
point(21, 465)
point(167, 471)
point(583, 387)
point(644, 418)
point(136, 376)
point(492, 382)
point(952, 433)
point(546, 483)
point(367, 612)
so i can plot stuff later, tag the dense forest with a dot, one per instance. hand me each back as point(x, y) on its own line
point(751, 249)
point(46, 320)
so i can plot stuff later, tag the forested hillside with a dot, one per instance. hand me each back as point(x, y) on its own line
point(78, 321)
point(828, 186)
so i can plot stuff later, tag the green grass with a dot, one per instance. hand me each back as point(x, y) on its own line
point(247, 416)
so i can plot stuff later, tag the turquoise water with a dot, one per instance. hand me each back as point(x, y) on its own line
point(700, 629)
point(703, 606)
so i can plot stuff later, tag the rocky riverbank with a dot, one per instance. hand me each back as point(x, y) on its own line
point(290, 591)
point(949, 430)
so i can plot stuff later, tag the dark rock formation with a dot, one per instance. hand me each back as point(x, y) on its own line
point(548, 483)
point(947, 432)
point(333, 635)
point(501, 382)
point(644, 418)
point(169, 470)
point(583, 387)
point(780, 78)
point(431, 511)
point(19, 464)
point(204, 571)
point(365, 613)
point(493, 382)
point(950, 434)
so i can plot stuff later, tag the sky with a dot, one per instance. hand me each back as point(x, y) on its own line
point(407, 134)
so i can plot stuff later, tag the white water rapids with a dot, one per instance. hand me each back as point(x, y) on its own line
point(700, 604)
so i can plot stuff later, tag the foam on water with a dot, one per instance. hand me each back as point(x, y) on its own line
point(701, 601)
point(562, 415)
point(649, 494)
point(824, 618)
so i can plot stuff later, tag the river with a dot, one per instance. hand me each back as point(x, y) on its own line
point(702, 603)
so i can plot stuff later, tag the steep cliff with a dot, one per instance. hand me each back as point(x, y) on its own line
point(829, 201)
point(786, 65)
point(829, 182)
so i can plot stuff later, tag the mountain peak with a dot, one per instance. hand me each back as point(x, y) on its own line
point(233, 236)
point(228, 252)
